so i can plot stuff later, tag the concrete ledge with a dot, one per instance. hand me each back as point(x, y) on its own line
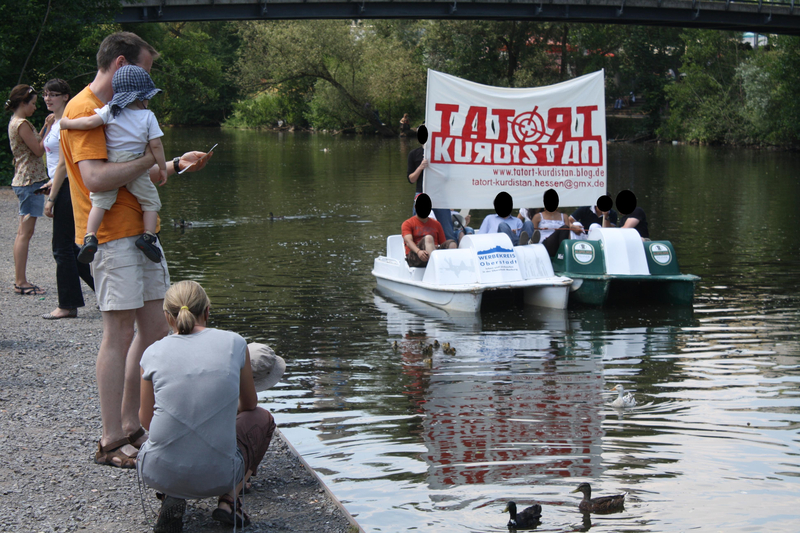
point(322, 484)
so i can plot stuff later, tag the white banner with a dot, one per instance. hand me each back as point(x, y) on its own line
point(483, 140)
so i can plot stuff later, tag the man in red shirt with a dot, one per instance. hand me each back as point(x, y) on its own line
point(423, 234)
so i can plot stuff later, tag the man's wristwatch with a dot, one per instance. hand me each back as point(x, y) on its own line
point(176, 164)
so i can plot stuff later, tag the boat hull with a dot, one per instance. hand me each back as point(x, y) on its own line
point(468, 302)
point(456, 280)
point(615, 267)
point(613, 290)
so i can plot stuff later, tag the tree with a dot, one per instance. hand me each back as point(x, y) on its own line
point(647, 56)
point(508, 54)
point(707, 98)
point(359, 75)
point(194, 70)
point(42, 39)
point(783, 67)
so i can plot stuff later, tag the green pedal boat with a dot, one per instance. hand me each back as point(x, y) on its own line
point(615, 266)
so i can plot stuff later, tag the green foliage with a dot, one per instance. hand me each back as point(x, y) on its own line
point(648, 54)
point(193, 70)
point(731, 94)
point(370, 70)
point(508, 53)
point(783, 67)
point(261, 110)
point(288, 102)
point(38, 44)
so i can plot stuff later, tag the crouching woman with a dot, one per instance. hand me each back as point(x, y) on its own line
point(198, 400)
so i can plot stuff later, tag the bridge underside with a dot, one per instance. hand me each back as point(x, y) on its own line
point(750, 15)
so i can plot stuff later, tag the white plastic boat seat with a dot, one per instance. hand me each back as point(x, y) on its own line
point(497, 261)
point(534, 261)
point(451, 267)
point(395, 248)
point(623, 250)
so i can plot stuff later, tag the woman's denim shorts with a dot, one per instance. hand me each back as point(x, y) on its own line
point(30, 203)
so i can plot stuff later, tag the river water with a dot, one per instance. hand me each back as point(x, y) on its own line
point(522, 411)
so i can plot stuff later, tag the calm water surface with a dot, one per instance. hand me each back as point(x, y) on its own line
point(522, 411)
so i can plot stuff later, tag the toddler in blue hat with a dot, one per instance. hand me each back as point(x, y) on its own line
point(130, 127)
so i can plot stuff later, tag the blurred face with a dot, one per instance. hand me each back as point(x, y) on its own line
point(29, 108)
point(55, 101)
point(145, 60)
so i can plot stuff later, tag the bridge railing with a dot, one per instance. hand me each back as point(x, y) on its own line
point(761, 16)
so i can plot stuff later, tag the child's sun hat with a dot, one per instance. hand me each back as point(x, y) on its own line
point(131, 83)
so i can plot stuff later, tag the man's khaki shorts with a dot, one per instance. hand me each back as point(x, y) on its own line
point(124, 278)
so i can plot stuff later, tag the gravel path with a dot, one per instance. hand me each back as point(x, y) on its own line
point(50, 424)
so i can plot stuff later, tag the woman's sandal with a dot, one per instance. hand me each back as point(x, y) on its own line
point(105, 454)
point(240, 519)
point(31, 290)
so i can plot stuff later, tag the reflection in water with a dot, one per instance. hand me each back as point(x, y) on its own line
point(521, 412)
point(490, 416)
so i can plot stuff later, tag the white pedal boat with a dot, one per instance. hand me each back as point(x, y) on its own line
point(456, 279)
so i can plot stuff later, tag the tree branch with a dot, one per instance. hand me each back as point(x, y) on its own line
point(41, 28)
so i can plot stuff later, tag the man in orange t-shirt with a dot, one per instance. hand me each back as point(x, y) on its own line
point(423, 234)
point(130, 288)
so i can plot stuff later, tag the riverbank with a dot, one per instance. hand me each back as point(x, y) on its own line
point(50, 424)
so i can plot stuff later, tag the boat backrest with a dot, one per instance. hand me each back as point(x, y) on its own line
point(395, 249)
point(623, 250)
point(497, 261)
point(451, 267)
point(534, 261)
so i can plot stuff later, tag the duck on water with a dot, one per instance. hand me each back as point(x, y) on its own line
point(528, 518)
point(601, 505)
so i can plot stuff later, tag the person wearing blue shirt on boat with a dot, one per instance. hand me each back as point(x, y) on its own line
point(502, 222)
point(423, 234)
point(461, 224)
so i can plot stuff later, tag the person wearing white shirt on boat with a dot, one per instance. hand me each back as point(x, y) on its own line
point(552, 226)
point(503, 222)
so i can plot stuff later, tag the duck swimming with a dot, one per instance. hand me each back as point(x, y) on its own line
point(273, 217)
point(530, 517)
point(623, 400)
point(604, 504)
point(181, 223)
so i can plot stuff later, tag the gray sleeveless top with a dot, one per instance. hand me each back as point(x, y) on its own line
point(192, 452)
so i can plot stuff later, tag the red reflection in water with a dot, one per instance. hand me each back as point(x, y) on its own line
point(508, 419)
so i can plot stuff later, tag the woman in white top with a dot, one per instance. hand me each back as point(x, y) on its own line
point(58, 206)
point(551, 225)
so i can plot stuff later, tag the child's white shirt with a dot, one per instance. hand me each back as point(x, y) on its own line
point(131, 130)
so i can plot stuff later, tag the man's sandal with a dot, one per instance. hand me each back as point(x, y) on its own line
point(136, 435)
point(240, 519)
point(105, 455)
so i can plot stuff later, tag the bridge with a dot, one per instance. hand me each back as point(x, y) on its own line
point(758, 16)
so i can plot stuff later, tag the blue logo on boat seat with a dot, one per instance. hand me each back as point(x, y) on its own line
point(496, 249)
